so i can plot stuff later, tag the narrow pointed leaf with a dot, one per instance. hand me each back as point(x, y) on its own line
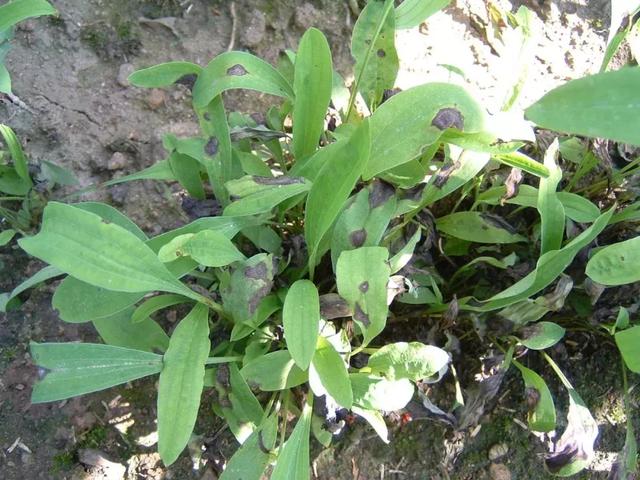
point(13, 144)
point(112, 215)
point(549, 205)
point(542, 417)
point(264, 200)
point(181, 383)
point(628, 342)
point(331, 371)
point(71, 369)
point(18, 10)
point(301, 319)
point(478, 227)
point(163, 74)
point(411, 13)
point(293, 460)
point(273, 372)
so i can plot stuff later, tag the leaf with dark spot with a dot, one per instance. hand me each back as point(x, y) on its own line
point(358, 237)
point(257, 272)
point(333, 306)
point(364, 287)
point(360, 316)
point(379, 193)
point(211, 147)
point(237, 70)
point(188, 80)
point(381, 53)
point(282, 180)
point(448, 118)
point(444, 173)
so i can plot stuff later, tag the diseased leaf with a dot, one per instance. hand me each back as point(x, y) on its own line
point(329, 370)
point(602, 105)
point(376, 420)
point(153, 304)
point(541, 335)
point(312, 84)
point(616, 264)
point(293, 459)
point(181, 383)
point(373, 48)
point(232, 70)
point(332, 187)
point(411, 13)
point(71, 369)
point(362, 275)
point(373, 392)
point(414, 361)
point(433, 108)
point(301, 320)
point(542, 411)
point(158, 171)
point(208, 248)
point(41, 276)
point(273, 372)
point(164, 74)
point(119, 330)
point(628, 342)
point(400, 259)
point(111, 215)
point(275, 192)
point(478, 227)
point(549, 205)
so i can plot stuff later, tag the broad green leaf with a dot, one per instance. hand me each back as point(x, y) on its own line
point(616, 264)
point(164, 74)
point(332, 187)
point(273, 372)
point(433, 108)
point(267, 307)
point(15, 149)
point(238, 70)
point(250, 460)
point(373, 48)
point(376, 420)
point(71, 369)
point(328, 369)
point(628, 342)
point(250, 282)
point(414, 361)
point(548, 268)
point(301, 320)
point(523, 162)
point(503, 264)
point(478, 227)
point(208, 248)
point(262, 201)
point(362, 275)
point(542, 417)
point(101, 254)
point(400, 259)
point(264, 238)
point(293, 459)
point(158, 171)
point(373, 392)
point(181, 383)
point(364, 220)
point(312, 84)
point(541, 335)
point(12, 184)
point(153, 304)
point(40, 276)
point(411, 13)
point(244, 403)
point(172, 250)
point(17, 10)
point(602, 105)
point(119, 330)
point(549, 205)
point(111, 215)
point(187, 172)
point(6, 236)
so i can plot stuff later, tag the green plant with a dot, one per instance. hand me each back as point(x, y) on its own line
point(324, 236)
point(12, 13)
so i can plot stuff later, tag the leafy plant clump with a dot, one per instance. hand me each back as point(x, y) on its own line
point(345, 210)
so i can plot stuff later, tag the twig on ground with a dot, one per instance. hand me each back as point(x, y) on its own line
point(234, 25)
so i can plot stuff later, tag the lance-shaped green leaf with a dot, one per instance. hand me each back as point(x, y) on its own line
point(239, 406)
point(364, 220)
point(332, 187)
point(414, 361)
point(251, 459)
point(616, 264)
point(187, 172)
point(549, 205)
point(158, 171)
point(293, 459)
point(362, 277)
point(273, 372)
point(433, 108)
point(70, 369)
point(250, 282)
point(181, 383)
point(400, 259)
point(301, 320)
point(328, 374)
point(120, 331)
point(412, 13)
point(112, 215)
point(208, 248)
point(312, 84)
point(548, 268)
point(628, 342)
point(478, 227)
point(154, 304)
point(164, 74)
point(232, 70)
point(41, 276)
point(18, 10)
point(603, 105)
point(542, 411)
point(272, 192)
point(13, 144)
point(373, 48)
point(541, 335)
point(373, 392)
point(6, 236)
point(101, 254)
point(376, 420)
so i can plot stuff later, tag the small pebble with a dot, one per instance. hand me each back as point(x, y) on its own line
point(497, 451)
point(117, 161)
point(255, 29)
point(156, 98)
point(124, 71)
point(499, 471)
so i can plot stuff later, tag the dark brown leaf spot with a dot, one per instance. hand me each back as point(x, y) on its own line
point(388, 93)
point(364, 287)
point(512, 184)
point(255, 300)
point(237, 70)
point(381, 53)
point(380, 193)
point(282, 180)
point(360, 316)
point(358, 237)
point(223, 375)
point(532, 397)
point(333, 306)
point(42, 372)
point(189, 80)
point(445, 172)
point(261, 444)
point(498, 222)
point(211, 148)
point(556, 461)
point(447, 118)
point(207, 116)
point(451, 314)
point(257, 272)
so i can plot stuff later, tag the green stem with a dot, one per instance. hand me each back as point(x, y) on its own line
point(556, 369)
point(217, 360)
point(285, 414)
